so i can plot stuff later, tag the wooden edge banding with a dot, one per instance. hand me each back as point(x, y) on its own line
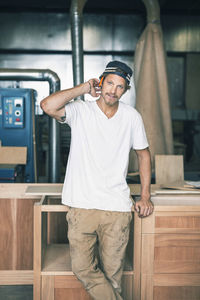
point(54, 208)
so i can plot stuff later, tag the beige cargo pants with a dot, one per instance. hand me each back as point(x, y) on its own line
point(98, 241)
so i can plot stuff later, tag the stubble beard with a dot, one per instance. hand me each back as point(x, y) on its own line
point(111, 104)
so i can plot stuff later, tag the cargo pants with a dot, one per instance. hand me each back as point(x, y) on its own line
point(98, 241)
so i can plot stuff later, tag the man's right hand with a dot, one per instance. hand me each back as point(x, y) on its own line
point(93, 87)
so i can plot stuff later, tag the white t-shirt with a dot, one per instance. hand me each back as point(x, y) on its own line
point(99, 154)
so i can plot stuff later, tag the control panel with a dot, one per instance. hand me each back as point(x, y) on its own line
point(17, 126)
point(13, 112)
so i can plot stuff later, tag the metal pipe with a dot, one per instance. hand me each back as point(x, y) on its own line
point(54, 128)
point(76, 11)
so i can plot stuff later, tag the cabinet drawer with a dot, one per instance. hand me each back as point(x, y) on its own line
point(177, 253)
point(177, 222)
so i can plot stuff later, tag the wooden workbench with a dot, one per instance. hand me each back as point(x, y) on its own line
point(163, 255)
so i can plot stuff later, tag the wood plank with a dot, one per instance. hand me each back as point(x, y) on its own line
point(177, 230)
point(37, 252)
point(44, 189)
point(148, 224)
point(13, 155)
point(17, 190)
point(180, 213)
point(176, 293)
point(147, 266)
point(7, 234)
point(147, 287)
point(168, 168)
point(63, 282)
point(137, 257)
point(71, 294)
point(178, 222)
point(174, 240)
point(177, 192)
point(24, 233)
point(47, 287)
point(177, 280)
point(55, 208)
point(57, 259)
point(182, 267)
point(16, 277)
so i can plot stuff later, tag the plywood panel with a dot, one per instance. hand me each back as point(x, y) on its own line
point(148, 224)
point(176, 279)
point(71, 282)
point(7, 234)
point(177, 267)
point(174, 240)
point(169, 168)
point(47, 287)
point(180, 223)
point(177, 293)
point(16, 234)
point(147, 287)
point(137, 257)
point(24, 232)
point(147, 259)
point(71, 294)
point(177, 253)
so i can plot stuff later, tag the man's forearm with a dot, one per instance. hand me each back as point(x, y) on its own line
point(145, 173)
point(58, 100)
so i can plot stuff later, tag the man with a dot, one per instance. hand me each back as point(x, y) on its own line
point(95, 188)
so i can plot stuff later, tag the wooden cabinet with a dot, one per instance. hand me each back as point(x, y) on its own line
point(170, 248)
point(53, 277)
point(162, 259)
point(16, 235)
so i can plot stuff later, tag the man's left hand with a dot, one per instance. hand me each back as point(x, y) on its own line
point(144, 208)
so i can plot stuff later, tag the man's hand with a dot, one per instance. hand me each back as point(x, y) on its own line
point(93, 87)
point(144, 208)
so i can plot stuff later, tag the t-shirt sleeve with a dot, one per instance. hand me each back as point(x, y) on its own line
point(139, 138)
point(71, 111)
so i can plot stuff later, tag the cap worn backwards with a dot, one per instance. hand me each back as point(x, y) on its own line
point(118, 68)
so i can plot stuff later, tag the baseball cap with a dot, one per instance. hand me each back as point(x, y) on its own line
point(118, 68)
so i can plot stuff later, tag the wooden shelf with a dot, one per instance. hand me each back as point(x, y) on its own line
point(57, 261)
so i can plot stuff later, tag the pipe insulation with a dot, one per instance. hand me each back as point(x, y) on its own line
point(54, 127)
point(76, 13)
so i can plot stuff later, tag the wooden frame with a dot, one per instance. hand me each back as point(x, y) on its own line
point(53, 277)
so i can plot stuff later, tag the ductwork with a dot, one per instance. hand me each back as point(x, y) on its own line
point(54, 128)
point(76, 11)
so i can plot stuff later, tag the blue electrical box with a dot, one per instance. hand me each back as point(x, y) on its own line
point(17, 125)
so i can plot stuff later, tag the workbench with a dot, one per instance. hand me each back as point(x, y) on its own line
point(162, 258)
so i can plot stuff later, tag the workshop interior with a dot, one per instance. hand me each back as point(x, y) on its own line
point(51, 45)
point(36, 36)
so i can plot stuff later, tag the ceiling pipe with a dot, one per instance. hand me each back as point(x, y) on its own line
point(76, 13)
point(54, 127)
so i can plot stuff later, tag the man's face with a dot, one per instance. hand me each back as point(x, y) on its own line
point(113, 88)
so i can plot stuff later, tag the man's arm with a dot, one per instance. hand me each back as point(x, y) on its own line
point(54, 105)
point(144, 206)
